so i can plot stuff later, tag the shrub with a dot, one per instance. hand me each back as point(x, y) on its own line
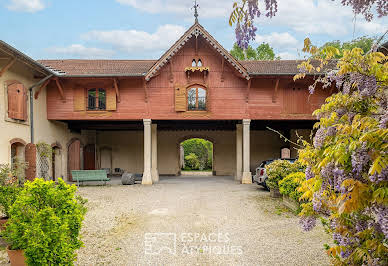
point(202, 149)
point(9, 189)
point(279, 169)
point(45, 222)
point(192, 161)
point(290, 184)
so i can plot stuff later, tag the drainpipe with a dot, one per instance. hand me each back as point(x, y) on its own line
point(32, 104)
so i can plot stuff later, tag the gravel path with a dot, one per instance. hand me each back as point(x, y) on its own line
point(231, 224)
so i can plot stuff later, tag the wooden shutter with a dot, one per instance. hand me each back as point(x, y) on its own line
point(79, 99)
point(180, 99)
point(30, 158)
point(111, 99)
point(17, 101)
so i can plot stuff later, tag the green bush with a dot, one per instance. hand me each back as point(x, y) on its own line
point(45, 222)
point(279, 169)
point(9, 189)
point(203, 149)
point(192, 161)
point(290, 184)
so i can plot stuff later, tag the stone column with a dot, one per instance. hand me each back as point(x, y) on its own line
point(239, 150)
point(247, 176)
point(147, 179)
point(154, 166)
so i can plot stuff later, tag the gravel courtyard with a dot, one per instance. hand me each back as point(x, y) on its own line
point(212, 221)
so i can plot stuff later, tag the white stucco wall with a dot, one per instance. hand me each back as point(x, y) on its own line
point(44, 130)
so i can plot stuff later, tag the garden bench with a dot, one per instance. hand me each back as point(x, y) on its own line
point(89, 175)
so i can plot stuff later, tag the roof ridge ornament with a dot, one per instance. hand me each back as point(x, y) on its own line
point(195, 11)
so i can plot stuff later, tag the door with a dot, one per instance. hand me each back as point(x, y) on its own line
point(74, 157)
point(90, 157)
point(30, 158)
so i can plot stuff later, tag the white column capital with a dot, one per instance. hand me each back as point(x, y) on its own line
point(246, 121)
point(147, 121)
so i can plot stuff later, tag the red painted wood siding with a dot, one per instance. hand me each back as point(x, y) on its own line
point(226, 100)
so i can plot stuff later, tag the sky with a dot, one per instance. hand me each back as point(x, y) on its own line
point(145, 29)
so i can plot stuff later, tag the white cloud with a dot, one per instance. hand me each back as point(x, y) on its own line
point(80, 51)
point(287, 56)
point(282, 40)
point(207, 9)
point(372, 27)
point(319, 17)
point(135, 42)
point(26, 5)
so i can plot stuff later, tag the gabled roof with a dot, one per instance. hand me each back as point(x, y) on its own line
point(84, 68)
point(14, 53)
point(196, 30)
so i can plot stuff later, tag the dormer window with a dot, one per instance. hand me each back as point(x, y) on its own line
point(199, 63)
point(194, 63)
point(97, 99)
point(196, 99)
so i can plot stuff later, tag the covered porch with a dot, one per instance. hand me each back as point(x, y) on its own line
point(151, 148)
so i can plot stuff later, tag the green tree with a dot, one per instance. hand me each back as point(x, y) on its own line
point(263, 52)
point(203, 150)
point(365, 43)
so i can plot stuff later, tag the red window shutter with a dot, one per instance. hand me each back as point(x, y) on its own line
point(30, 158)
point(17, 101)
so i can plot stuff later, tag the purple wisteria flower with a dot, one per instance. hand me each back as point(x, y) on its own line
point(319, 138)
point(360, 160)
point(309, 173)
point(307, 222)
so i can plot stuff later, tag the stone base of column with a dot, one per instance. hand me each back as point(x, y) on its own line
point(246, 178)
point(147, 179)
point(155, 175)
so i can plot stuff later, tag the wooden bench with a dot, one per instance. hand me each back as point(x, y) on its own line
point(89, 175)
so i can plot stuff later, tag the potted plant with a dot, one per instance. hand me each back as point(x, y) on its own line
point(45, 223)
point(9, 190)
point(288, 187)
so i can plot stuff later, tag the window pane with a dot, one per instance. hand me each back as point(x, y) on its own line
point(92, 99)
point(101, 99)
point(201, 99)
point(191, 99)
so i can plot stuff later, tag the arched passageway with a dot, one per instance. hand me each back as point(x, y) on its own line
point(196, 156)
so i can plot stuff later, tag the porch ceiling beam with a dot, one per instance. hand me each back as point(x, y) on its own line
point(115, 82)
point(7, 66)
point(275, 93)
point(60, 89)
point(36, 95)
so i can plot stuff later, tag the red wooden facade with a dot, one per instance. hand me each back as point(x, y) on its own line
point(229, 95)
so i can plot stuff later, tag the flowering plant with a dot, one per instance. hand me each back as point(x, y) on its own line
point(279, 169)
point(347, 164)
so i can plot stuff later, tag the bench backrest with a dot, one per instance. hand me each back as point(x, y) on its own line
point(89, 175)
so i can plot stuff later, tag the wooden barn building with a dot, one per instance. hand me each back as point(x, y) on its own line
point(132, 115)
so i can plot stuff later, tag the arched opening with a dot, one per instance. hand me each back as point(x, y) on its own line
point(74, 154)
point(17, 151)
point(196, 156)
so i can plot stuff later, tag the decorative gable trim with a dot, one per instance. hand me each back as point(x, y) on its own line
point(195, 30)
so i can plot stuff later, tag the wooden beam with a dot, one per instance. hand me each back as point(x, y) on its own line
point(145, 90)
point(222, 71)
point(40, 88)
point(248, 89)
point(275, 93)
point(7, 66)
point(60, 89)
point(115, 82)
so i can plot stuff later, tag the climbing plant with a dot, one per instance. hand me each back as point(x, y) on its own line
point(347, 165)
point(44, 152)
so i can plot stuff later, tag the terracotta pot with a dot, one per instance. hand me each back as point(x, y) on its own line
point(3, 220)
point(16, 257)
